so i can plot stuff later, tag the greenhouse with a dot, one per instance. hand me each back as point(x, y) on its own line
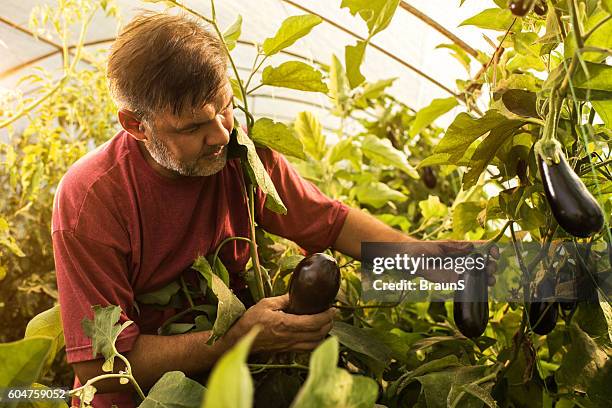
point(290, 203)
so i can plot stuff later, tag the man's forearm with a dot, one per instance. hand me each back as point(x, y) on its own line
point(151, 356)
point(360, 226)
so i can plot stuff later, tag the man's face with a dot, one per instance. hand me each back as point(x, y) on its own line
point(194, 143)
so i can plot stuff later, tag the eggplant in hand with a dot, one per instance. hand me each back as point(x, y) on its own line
point(471, 305)
point(314, 285)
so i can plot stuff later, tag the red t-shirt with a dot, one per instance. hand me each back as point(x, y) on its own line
point(120, 229)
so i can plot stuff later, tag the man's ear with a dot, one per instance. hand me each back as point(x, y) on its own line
point(132, 124)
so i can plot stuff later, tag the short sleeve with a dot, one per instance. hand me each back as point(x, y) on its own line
point(313, 220)
point(90, 273)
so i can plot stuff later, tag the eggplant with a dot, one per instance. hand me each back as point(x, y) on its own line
point(314, 285)
point(520, 8)
point(572, 205)
point(471, 305)
point(566, 276)
point(540, 8)
point(429, 178)
point(543, 315)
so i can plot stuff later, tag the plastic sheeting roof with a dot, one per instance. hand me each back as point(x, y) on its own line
point(407, 38)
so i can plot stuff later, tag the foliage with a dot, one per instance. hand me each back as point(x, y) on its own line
point(487, 187)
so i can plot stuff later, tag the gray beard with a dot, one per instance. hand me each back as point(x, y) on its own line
point(202, 166)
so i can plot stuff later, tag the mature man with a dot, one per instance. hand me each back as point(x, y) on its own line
point(132, 215)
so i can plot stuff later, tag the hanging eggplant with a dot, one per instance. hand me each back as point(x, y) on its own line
point(314, 285)
point(429, 177)
point(471, 305)
point(521, 8)
point(572, 205)
point(543, 314)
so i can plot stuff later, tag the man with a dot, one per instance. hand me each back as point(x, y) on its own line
point(132, 215)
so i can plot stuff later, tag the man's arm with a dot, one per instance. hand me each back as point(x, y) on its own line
point(360, 226)
point(151, 356)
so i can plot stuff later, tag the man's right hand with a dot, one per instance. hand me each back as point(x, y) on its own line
point(281, 331)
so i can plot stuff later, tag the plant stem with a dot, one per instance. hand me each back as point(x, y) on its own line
point(254, 255)
point(269, 366)
point(186, 292)
point(225, 241)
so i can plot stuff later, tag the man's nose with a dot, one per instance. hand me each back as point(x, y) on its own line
point(219, 135)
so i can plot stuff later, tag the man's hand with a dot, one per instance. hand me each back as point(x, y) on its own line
point(281, 331)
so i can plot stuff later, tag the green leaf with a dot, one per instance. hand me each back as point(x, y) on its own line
point(330, 386)
point(36, 403)
point(232, 33)
point(160, 296)
point(49, 324)
point(486, 150)
point(375, 89)
point(291, 30)
point(378, 194)
point(174, 390)
point(346, 150)
point(381, 151)
point(607, 5)
point(433, 208)
point(22, 361)
point(465, 217)
point(491, 19)
point(376, 13)
point(465, 130)
point(582, 361)
point(236, 89)
point(103, 331)
point(308, 128)
point(221, 271)
point(232, 369)
point(295, 75)
point(338, 87)
point(426, 116)
point(229, 307)
point(255, 169)
point(353, 56)
point(361, 341)
point(277, 136)
point(604, 110)
point(423, 369)
point(607, 312)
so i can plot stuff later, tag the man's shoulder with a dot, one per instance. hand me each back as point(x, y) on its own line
point(90, 175)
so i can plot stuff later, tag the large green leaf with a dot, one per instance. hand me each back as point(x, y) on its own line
point(594, 85)
point(353, 56)
point(378, 194)
point(604, 110)
point(485, 151)
point(308, 128)
point(22, 361)
point(103, 331)
point(291, 30)
point(361, 341)
point(294, 75)
point(229, 307)
point(581, 363)
point(607, 5)
point(381, 151)
point(230, 384)
point(465, 217)
point(242, 146)
point(277, 136)
point(433, 208)
point(232, 33)
point(174, 390)
point(376, 13)
point(345, 149)
point(491, 19)
point(426, 116)
point(49, 324)
point(330, 386)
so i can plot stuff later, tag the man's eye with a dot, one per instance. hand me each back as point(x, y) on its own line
point(191, 129)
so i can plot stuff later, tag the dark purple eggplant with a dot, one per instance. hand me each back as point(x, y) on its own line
point(540, 8)
point(520, 8)
point(429, 177)
point(543, 314)
point(471, 305)
point(314, 285)
point(573, 206)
